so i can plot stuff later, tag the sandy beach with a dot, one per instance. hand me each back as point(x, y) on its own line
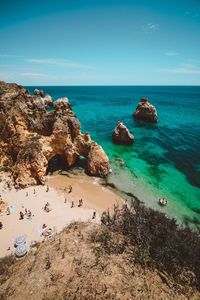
point(95, 198)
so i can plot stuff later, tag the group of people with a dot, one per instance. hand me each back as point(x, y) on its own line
point(46, 231)
point(80, 203)
point(26, 213)
point(162, 201)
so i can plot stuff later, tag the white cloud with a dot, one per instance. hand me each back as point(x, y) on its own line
point(180, 70)
point(171, 53)
point(189, 66)
point(58, 62)
point(8, 55)
point(194, 13)
point(5, 75)
point(150, 27)
point(34, 75)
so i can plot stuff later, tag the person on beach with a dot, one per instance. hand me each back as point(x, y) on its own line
point(80, 203)
point(47, 232)
point(70, 189)
point(8, 210)
point(162, 201)
point(29, 214)
point(44, 226)
point(72, 204)
point(65, 200)
point(34, 191)
point(26, 212)
point(1, 225)
point(26, 194)
point(21, 215)
point(94, 215)
point(46, 207)
point(47, 188)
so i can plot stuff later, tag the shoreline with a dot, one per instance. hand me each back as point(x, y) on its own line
point(97, 194)
point(144, 192)
point(96, 198)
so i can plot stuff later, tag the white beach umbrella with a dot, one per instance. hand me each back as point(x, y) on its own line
point(21, 250)
point(20, 240)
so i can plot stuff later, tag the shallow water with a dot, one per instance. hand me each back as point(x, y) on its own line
point(165, 158)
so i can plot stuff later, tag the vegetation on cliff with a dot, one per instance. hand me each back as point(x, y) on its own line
point(155, 241)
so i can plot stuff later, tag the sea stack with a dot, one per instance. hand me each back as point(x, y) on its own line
point(31, 135)
point(146, 111)
point(121, 135)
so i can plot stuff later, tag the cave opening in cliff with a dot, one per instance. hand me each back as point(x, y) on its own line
point(56, 163)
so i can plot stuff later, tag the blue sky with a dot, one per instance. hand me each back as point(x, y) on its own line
point(138, 42)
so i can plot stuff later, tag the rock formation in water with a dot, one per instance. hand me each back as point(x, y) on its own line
point(31, 135)
point(146, 111)
point(121, 135)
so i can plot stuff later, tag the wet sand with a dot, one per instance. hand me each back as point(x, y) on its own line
point(94, 195)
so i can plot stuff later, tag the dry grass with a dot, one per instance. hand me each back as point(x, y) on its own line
point(74, 265)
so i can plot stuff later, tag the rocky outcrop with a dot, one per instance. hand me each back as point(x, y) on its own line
point(146, 111)
point(48, 101)
point(97, 161)
point(39, 93)
point(31, 135)
point(121, 135)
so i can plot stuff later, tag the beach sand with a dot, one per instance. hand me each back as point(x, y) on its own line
point(95, 198)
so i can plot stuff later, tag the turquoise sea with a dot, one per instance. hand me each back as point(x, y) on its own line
point(164, 161)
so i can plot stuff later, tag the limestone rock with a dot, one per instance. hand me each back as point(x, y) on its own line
point(146, 111)
point(31, 135)
point(98, 164)
point(39, 93)
point(62, 101)
point(121, 135)
point(48, 101)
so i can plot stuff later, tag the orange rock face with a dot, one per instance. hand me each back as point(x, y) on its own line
point(98, 163)
point(30, 135)
point(146, 111)
point(121, 135)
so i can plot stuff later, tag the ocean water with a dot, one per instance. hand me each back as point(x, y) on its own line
point(164, 160)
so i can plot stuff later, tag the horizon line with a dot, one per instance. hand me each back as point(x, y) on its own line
point(109, 85)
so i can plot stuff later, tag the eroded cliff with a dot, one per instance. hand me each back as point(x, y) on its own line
point(34, 129)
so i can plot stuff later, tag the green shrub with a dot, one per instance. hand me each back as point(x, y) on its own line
point(156, 241)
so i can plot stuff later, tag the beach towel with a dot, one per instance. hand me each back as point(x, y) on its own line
point(12, 209)
point(40, 230)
